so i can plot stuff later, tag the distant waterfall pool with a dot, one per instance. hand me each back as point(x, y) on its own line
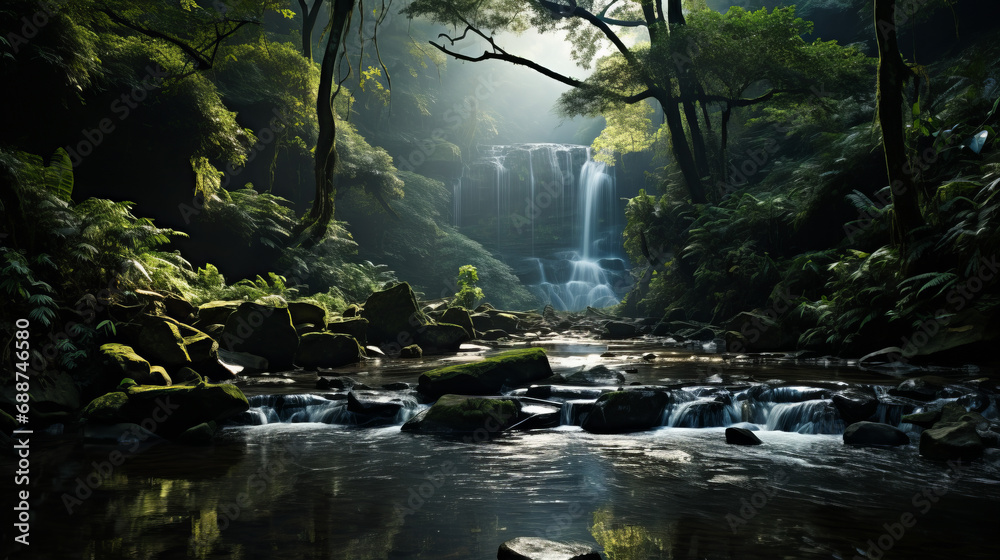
point(553, 214)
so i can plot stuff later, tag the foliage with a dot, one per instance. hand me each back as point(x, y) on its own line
point(468, 291)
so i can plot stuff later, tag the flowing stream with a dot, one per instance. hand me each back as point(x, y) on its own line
point(302, 476)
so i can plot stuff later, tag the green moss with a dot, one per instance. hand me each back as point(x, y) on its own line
point(107, 408)
point(468, 414)
point(486, 364)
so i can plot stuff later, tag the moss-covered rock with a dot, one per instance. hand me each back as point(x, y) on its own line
point(262, 330)
point(327, 350)
point(951, 440)
point(356, 327)
point(617, 330)
point(393, 315)
point(459, 414)
point(179, 309)
point(307, 312)
point(489, 375)
point(216, 312)
point(459, 316)
point(119, 360)
point(506, 322)
point(411, 351)
point(168, 411)
point(160, 340)
point(626, 411)
point(442, 337)
point(157, 376)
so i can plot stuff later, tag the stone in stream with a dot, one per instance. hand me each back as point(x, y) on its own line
point(856, 404)
point(411, 351)
point(487, 376)
point(925, 388)
point(168, 411)
point(741, 436)
point(459, 316)
point(380, 409)
point(617, 330)
point(533, 548)
point(493, 334)
point(393, 315)
point(874, 433)
point(441, 337)
point(263, 330)
point(327, 350)
point(305, 312)
point(951, 440)
point(461, 414)
point(626, 411)
point(356, 327)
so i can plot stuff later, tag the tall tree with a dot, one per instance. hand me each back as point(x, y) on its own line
point(309, 17)
point(893, 75)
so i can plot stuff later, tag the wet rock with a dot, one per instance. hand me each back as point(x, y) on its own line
point(874, 433)
point(179, 309)
point(459, 316)
point(186, 376)
point(506, 322)
point(263, 330)
point(661, 329)
point(596, 375)
point(326, 383)
point(626, 411)
point(924, 420)
point(460, 414)
point(160, 340)
point(251, 363)
point(617, 330)
point(549, 313)
point(118, 361)
point(379, 409)
point(533, 548)
point(216, 312)
point(487, 376)
point(608, 355)
point(356, 327)
point(703, 334)
point(856, 404)
point(482, 322)
point(493, 334)
point(198, 435)
point(306, 328)
point(741, 436)
point(327, 350)
point(353, 310)
point(170, 410)
point(442, 337)
point(397, 386)
point(393, 315)
point(925, 388)
point(305, 312)
point(410, 352)
point(649, 356)
point(951, 440)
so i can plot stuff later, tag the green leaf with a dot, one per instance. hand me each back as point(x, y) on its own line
point(59, 175)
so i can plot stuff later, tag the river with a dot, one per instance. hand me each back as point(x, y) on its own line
point(313, 490)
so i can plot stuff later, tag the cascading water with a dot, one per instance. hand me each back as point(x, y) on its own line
point(551, 211)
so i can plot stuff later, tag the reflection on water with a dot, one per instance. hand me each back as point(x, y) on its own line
point(321, 491)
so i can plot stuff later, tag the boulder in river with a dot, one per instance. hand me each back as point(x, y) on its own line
point(856, 404)
point(534, 548)
point(262, 330)
point(874, 433)
point(354, 326)
point(925, 388)
point(327, 350)
point(951, 440)
point(741, 436)
point(487, 376)
point(626, 411)
point(168, 411)
point(617, 330)
point(442, 337)
point(459, 316)
point(411, 351)
point(393, 315)
point(461, 414)
point(306, 312)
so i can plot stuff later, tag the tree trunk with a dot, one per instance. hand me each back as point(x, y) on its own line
point(892, 77)
point(326, 153)
point(682, 151)
point(309, 18)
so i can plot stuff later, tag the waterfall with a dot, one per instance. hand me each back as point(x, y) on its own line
point(553, 215)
